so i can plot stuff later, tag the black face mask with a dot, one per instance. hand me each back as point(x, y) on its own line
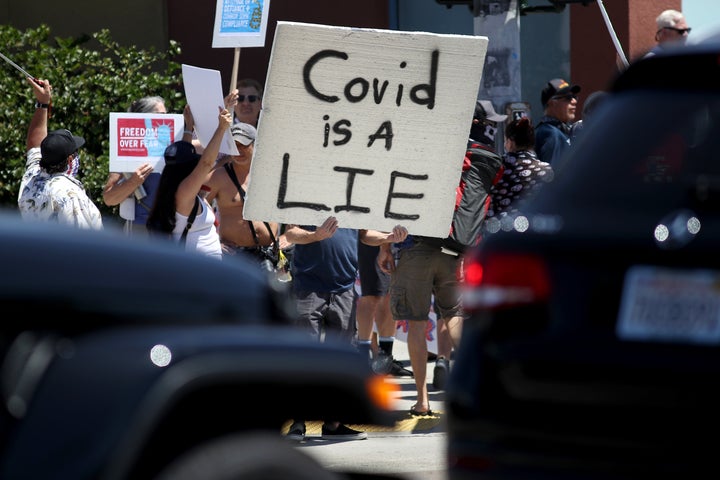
point(484, 132)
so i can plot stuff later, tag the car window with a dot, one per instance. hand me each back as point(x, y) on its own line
point(662, 144)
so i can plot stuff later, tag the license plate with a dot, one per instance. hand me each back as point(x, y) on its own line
point(670, 305)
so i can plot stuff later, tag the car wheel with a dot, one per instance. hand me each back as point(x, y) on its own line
point(257, 456)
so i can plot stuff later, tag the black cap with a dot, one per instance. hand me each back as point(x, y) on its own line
point(557, 87)
point(180, 152)
point(57, 146)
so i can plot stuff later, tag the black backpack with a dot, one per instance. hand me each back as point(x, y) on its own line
point(482, 168)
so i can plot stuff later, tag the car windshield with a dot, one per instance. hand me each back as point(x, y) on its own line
point(658, 145)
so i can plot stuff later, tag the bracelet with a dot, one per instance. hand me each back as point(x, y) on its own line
point(188, 132)
point(42, 105)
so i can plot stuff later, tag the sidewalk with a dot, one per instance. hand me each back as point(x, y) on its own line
point(414, 449)
point(406, 397)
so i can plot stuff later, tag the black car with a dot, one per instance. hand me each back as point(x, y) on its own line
point(129, 359)
point(592, 347)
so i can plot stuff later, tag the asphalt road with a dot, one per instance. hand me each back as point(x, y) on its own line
point(413, 450)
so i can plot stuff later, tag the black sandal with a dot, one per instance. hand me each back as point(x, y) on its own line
point(416, 413)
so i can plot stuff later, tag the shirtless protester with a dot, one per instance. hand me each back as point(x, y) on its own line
point(236, 234)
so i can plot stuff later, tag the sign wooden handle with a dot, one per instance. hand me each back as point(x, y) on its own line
point(236, 63)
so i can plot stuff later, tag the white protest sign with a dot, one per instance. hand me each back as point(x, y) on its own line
point(137, 138)
point(240, 23)
point(204, 95)
point(369, 126)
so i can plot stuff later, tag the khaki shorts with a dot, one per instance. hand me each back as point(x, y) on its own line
point(424, 271)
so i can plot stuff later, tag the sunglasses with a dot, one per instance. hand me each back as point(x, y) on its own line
point(566, 98)
point(250, 98)
point(681, 31)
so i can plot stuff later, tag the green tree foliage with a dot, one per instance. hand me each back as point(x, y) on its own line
point(91, 77)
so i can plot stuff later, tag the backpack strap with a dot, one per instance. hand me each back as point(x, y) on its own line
point(190, 220)
point(231, 173)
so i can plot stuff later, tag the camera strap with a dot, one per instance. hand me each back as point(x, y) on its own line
point(231, 173)
point(190, 220)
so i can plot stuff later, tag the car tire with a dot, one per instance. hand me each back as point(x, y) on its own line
point(257, 456)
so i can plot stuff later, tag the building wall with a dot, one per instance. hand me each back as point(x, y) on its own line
point(131, 22)
point(151, 23)
point(430, 16)
point(191, 22)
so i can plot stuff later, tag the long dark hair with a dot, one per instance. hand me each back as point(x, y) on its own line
point(162, 215)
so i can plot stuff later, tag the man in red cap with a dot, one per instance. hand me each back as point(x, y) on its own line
point(552, 134)
point(49, 189)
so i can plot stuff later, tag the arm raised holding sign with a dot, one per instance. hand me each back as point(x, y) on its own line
point(50, 189)
point(179, 210)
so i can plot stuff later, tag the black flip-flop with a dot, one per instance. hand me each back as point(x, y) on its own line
point(416, 413)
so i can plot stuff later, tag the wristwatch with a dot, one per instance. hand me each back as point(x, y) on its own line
point(42, 105)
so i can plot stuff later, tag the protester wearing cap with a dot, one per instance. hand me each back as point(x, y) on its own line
point(178, 193)
point(50, 189)
point(236, 234)
point(243, 133)
point(485, 121)
point(552, 133)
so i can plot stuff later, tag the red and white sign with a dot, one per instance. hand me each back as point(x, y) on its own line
point(137, 138)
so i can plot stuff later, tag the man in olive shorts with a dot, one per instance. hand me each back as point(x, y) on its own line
point(424, 270)
point(426, 267)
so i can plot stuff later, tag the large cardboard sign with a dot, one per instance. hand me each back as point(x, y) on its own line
point(137, 138)
point(240, 23)
point(369, 126)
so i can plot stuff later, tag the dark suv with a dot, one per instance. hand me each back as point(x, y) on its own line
point(123, 359)
point(593, 344)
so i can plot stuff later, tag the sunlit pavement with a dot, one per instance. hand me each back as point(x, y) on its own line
point(413, 449)
point(406, 398)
